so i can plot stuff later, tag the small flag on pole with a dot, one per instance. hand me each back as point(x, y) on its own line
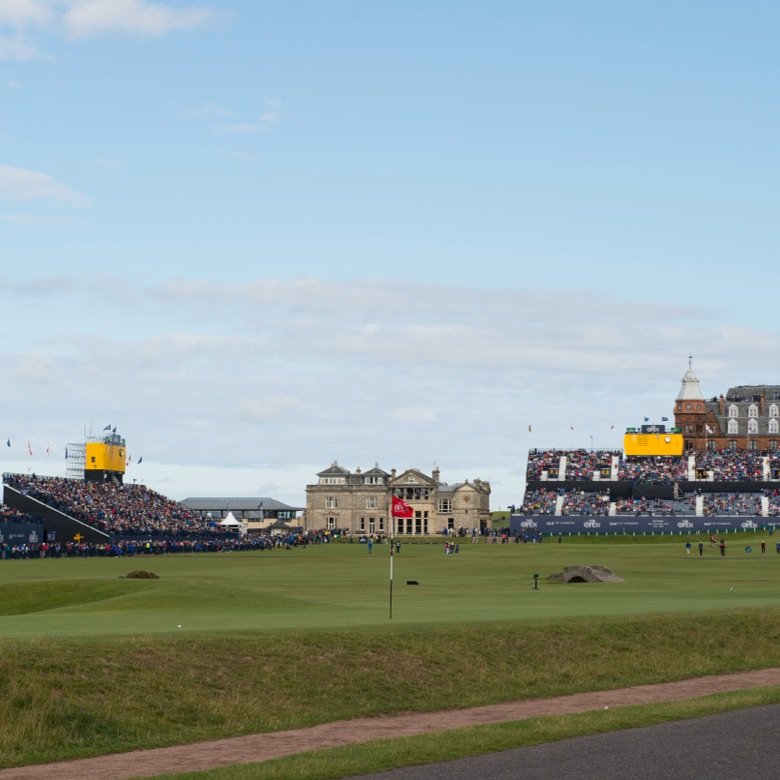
point(108, 427)
point(664, 419)
point(140, 460)
point(401, 508)
point(8, 442)
point(29, 447)
point(529, 429)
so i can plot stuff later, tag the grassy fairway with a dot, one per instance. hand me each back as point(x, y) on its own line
point(337, 586)
point(93, 663)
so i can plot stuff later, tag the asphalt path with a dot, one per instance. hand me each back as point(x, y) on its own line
point(740, 745)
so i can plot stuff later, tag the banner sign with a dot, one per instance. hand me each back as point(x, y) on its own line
point(636, 524)
point(21, 533)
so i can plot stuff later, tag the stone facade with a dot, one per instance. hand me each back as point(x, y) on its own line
point(359, 502)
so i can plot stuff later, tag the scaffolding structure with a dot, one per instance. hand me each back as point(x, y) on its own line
point(75, 460)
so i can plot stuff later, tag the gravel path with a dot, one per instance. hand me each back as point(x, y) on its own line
point(261, 747)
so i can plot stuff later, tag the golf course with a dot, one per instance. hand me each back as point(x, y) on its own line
point(223, 644)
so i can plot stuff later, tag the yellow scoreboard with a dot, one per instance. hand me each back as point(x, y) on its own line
point(105, 456)
point(653, 442)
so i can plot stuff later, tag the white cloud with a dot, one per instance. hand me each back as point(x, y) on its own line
point(21, 13)
point(33, 367)
point(273, 407)
point(87, 18)
point(242, 126)
point(17, 48)
point(273, 378)
point(23, 184)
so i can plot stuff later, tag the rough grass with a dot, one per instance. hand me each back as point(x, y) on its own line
point(64, 698)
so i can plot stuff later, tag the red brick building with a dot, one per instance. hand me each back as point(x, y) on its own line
point(747, 417)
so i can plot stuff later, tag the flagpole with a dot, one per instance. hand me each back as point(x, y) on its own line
point(392, 545)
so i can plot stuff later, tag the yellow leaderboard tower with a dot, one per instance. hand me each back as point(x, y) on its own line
point(105, 458)
point(653, 440)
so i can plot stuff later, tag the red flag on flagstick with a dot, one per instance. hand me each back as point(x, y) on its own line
point(401, 508)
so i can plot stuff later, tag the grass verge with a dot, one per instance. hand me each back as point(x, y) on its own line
point(383, 755)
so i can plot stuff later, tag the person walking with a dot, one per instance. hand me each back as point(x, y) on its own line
point(722, 546)
point(701, 548)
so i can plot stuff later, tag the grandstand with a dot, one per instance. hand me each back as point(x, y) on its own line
point(93, 504)
point(598, 491)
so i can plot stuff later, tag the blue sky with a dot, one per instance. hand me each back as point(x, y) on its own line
point(260, 237)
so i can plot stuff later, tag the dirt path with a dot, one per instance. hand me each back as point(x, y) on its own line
point(260, 747)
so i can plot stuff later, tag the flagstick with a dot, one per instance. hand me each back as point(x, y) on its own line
point(391, 577)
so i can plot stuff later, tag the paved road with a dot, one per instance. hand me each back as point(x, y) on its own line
point(742, 745)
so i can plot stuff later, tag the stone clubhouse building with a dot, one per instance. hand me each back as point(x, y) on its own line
point(359, 502)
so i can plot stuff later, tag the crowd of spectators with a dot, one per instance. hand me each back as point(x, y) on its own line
point(657, 507)
point(540, 461)
point(10, 514)
point(539, 502)
point(114, 507)
point(583, 464)
point(733, 504)
point(657, 468)
point(131, 548)
point(732, 465)
point(579, 464)
point(582, 503)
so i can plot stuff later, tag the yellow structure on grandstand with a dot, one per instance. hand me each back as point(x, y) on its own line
point(652, 440)
point(105, 457)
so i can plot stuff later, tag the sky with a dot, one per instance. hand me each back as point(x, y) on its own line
point(262, 237)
